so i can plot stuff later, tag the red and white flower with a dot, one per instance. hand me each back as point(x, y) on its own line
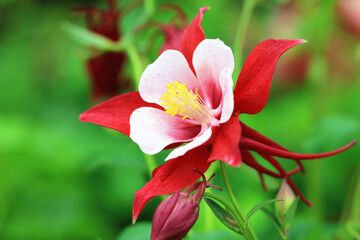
point(194, 102)
point(186, 97)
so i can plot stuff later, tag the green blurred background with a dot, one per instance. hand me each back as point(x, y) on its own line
point(63, 179)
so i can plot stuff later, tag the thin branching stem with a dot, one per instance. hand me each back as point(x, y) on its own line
point(234, 201)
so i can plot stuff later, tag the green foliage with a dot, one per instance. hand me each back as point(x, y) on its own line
point(224, 216)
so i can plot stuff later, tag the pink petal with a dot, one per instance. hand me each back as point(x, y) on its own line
point(193, 35)
point(226, 145)
point(171, 66)
point(210, 58)
point(197, 141)
point(153, 129)
point(172, 176)
point(227, 105)
point(254, 82)
point(115, 112)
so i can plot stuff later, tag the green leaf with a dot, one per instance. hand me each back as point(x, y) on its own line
point(289, 215)
point(224, 217)
point(258, 207)
point(141, 231)
point(90, 39)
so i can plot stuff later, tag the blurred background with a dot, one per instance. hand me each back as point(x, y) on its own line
point(63, 179)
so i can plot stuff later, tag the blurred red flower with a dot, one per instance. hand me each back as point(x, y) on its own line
point(105, 68)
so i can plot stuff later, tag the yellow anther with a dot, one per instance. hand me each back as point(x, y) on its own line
point(185, 117)
point(178, 100)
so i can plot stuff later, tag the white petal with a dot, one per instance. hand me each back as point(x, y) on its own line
point(210, 58)
point(171, 66)
point(153, 129)
point(193, 144)
point(227, 105)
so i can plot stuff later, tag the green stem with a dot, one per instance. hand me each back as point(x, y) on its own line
point(150, 162)
point(149, 7)
point(137, 67)
point(233, 199)
point(232, 210)
point(135, 60)
point(247, 10)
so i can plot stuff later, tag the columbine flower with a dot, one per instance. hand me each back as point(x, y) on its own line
point(176, 215)
point(105, 67)
point(186, 97)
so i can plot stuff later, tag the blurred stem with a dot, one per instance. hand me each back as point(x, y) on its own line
point(135, 61)
point(247, 10)
point(233, 199)
point(137, 67)
point(149, 7)
point(150, 162)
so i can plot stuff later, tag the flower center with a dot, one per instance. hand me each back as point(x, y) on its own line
point(179, 101)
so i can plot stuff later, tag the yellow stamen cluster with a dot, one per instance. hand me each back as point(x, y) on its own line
point(179, 101)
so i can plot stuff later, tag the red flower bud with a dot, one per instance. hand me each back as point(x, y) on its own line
point(176, 215)
point(105, 68)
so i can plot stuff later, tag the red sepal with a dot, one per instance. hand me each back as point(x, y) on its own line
point(253, 85)
point(226, 144)
point(115, 112)
point(172, 176)
point(193, 35)
point(254, 135)
point(260, 148)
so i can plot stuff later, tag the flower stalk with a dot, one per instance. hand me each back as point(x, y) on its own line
point(248, 231)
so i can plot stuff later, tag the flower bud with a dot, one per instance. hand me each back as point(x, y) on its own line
point(176, 215)
point(285, 193)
